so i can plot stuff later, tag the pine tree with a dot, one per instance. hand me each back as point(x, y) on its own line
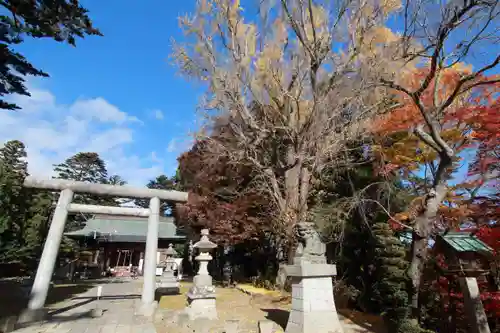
point(85, 167)
point(116, 180)
point(24, 213)
point(13, 171)
point(12, 197)
point(62, 21)
point(119, 181)
point(41, 207)
point(163, 182)
point(390, 290)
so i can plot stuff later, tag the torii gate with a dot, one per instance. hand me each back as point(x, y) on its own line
point(64, 206)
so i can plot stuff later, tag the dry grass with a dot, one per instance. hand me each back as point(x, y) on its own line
point(249, 305)
point(232, 304)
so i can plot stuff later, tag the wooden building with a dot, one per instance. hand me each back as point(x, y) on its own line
point(118, 242)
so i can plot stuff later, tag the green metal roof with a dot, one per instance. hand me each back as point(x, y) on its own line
point(465, 242)
point(125, 229)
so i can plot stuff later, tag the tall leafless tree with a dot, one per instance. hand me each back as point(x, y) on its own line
point(287, 84)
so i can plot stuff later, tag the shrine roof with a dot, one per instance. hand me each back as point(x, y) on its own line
point(465, 242)
point(115, 228)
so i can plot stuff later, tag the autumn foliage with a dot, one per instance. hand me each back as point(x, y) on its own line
point(470, 125)
point(221, 197)
point(490, 296)
point(471, 121)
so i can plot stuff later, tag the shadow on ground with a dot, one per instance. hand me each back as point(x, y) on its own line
point(279, 316)
point(369, 322)
point(109, 297)
point(70, 307)
point(14, 296)
point(14, 293)
point(87, 300)
point(56, 318)
point(161, 292)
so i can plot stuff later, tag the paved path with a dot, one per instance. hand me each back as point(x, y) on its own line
point(118, 302)
point(120, 299)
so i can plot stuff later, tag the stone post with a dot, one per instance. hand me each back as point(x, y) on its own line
point(96, 256)
point(47, 261)
point(474, 309)
point(190, 256)
point(148, 289)
point(313, 306)
point(190, 251)
point(201, 296)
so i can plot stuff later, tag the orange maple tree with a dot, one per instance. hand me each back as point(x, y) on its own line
point(426, 138)
point(470, 126)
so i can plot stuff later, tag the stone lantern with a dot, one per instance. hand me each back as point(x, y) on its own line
point(168, 280)
point(201, 296)
point(171, 255)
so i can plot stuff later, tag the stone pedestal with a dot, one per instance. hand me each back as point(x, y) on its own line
point(32, 316)
point(201, 296)
point(313, 306)
point(168, 283)
point(147, 309)
point(202, 304)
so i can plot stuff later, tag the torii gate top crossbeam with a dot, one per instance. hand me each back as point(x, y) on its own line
point(102, 189)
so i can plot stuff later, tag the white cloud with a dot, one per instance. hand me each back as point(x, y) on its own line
point(155, 158)
point(158, 114)
point(180, 144)
point(52, 132)
point(171, 147)
point(101, 110)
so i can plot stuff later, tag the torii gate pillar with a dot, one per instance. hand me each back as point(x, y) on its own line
point(47, 262)
point(148, 289)
point(35, 310)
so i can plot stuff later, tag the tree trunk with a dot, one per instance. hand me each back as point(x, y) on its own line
point(296, 192)
point(422, 231)
point(297, 189)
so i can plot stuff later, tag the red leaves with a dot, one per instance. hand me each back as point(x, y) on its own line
point(491, 236)
point(490, 299)
point(229, 223)
point(222, 198)
point(472, 120)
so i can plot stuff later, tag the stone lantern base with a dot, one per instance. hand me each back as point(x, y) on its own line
point(168, 283)
point(313, 306)
point(201, 303)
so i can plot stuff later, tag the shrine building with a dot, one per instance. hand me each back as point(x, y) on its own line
point(118, 242)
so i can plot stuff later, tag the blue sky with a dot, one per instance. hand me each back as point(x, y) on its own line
point(116, 95)
point(127, 69)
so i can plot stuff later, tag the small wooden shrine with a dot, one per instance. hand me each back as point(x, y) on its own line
point(467, 259)
point(466, 255)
